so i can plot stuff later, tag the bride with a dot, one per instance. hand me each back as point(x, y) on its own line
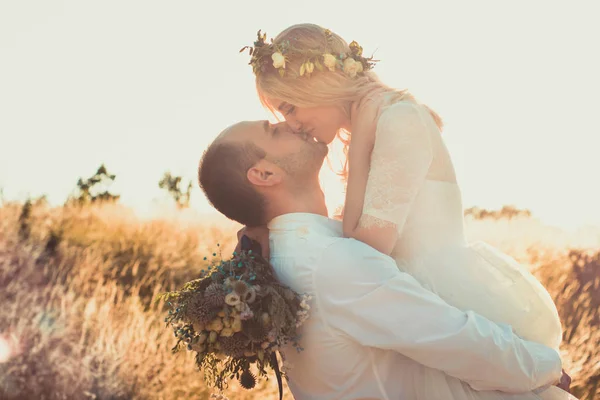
point(402, 197)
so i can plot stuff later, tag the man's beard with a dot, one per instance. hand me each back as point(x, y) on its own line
point(306, 162)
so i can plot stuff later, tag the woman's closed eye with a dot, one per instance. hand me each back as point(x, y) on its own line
point(290, 110)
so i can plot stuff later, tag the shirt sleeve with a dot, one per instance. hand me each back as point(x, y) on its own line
point(364, 296)
point(400, 160)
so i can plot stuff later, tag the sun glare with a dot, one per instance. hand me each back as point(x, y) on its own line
point(5, 350)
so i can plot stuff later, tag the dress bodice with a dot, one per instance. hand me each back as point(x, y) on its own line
point(434, 222)
point(411, 187)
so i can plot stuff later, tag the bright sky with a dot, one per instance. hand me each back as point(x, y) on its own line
point(145, 85)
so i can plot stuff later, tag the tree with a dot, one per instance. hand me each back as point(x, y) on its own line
point(95, 188)
point(24, 220)
point(172, 184)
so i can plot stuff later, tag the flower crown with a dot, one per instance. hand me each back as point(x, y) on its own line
point(265, 55)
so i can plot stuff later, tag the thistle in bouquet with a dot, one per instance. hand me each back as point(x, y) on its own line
point(236, 315)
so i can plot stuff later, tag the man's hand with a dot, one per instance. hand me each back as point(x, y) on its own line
point(565, 382)
point(258, 234)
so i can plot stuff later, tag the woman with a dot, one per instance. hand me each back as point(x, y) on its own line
point(402, 197)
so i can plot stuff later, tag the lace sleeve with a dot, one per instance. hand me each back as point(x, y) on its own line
point(400, 160)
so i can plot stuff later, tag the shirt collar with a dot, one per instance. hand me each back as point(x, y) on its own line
point(313, 222)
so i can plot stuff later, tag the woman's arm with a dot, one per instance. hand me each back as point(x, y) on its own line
point(359, 159)
point(381, 190)
point(382, 238)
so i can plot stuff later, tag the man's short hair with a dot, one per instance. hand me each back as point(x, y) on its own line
point(223, 178)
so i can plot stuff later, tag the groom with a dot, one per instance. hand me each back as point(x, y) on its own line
point(374, 332)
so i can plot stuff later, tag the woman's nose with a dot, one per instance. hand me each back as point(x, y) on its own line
point(295, 125)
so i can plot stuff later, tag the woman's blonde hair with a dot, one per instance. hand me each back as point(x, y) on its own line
point(323, 88)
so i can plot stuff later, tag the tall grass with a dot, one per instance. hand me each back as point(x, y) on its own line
point(78, 320)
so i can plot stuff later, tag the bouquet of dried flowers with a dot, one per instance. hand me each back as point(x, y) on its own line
point(237, 314)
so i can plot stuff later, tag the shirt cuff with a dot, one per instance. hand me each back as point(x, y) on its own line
point(549, 367)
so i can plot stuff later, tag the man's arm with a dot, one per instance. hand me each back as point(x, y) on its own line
point(363, 295)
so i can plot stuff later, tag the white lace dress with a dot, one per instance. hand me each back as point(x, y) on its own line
point(406, 189)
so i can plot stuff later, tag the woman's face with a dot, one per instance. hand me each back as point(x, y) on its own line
point(322, 123)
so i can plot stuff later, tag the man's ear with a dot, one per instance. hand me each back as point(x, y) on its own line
point(264, 173)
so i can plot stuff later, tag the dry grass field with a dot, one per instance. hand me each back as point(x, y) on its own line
point(78, 321)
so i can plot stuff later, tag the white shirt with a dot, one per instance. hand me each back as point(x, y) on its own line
point(373, 329)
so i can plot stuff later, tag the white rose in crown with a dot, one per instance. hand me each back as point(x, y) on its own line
point(278, 60)
point(329, 61)
point(351, 67)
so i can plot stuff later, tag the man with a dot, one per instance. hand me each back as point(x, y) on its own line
point(374, 332)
